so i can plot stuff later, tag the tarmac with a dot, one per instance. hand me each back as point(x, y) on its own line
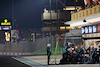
point(41, 61)
point(8, 61)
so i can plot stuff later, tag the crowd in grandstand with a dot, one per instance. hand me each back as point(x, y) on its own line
point(87, 6)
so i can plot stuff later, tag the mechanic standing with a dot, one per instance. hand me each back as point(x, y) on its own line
point(48, 52)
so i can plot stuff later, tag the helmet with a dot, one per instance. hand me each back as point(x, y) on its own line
point(49, 45)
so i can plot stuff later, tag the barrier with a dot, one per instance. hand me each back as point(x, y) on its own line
point(43, 51)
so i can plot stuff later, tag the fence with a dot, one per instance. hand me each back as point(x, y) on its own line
point(37, 47)
point(42, 42)
point(20, 48)
point(16, 49)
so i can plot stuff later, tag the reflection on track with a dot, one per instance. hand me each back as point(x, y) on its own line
point(29, 62)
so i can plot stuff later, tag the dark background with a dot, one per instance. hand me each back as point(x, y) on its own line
point(27, 13)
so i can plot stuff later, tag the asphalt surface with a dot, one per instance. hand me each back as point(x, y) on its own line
point(8, 61)
point(41, 61)
point(37, 61)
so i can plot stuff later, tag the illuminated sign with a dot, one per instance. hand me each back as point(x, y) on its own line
point(86, 29)
point(94, 29)
point(82, 30)
point(5, 22)
point(0, 28)
point(5, 27)
point(90, 29)
point(14, 36)
point(98, 28)
point(7, 36)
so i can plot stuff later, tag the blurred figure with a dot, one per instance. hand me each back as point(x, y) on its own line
point(82, 7)
point(77, 9)
point(93, 3)
point(88, 5)
point(96, 3)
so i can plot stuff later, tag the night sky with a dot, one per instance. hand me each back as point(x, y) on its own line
point(27, 13)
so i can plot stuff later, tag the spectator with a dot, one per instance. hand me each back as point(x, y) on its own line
point(82, 7)
point(96, 3)
point(88, 5)
point(93, 3)
point(85, 6)
point(72, 12)
point(77, 9)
